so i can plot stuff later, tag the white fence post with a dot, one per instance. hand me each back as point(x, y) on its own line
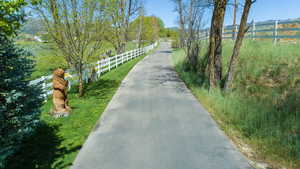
point(108, 63)
point(44, 87)
point(223, 29)
point(235, 31)
point(85, 75)
point(253, 30)
point(275, 31)
point(272, 30)
point(69, 84)
point(98, 68)
point(116, 60)
point(206, 35)
point(133, 54)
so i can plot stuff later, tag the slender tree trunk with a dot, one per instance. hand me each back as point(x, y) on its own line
point(192, 47)
point(181, 23)
point(215, 43)
point(127, 21)
point(237, 45)
point(234, 18)
point(81, 83)
point(140, 29)
point(118, 47)
point(193, 55)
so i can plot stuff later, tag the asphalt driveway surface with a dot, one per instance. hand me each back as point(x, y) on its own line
point(154, 122)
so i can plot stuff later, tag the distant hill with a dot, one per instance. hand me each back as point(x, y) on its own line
point(32, 26)
point(173, 28)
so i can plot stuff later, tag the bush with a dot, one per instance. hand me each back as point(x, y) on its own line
point(175, 43)
point(19, 101)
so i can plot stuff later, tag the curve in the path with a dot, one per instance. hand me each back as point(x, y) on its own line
point(154, 122)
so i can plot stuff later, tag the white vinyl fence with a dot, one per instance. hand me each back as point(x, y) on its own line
point(275, 29)
point(100, 67)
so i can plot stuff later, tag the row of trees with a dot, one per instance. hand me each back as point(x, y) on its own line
point(80, 28)
point(190, 14)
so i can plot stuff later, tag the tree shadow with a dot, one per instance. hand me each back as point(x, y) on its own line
point(100, 88)
point(167, 78)
point(41, 150)
point(165, 51)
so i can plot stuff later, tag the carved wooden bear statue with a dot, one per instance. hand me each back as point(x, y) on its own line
point(60, 89)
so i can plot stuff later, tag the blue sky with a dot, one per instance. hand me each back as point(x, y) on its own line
point(262, 10)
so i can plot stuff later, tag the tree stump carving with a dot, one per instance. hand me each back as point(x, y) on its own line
point(60, 99)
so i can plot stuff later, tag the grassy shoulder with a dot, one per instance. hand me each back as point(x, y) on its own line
point(262, 111)
point(57, 141)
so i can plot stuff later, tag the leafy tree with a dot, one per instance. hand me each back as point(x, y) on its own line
point(171, 33)
point(192, 39)
point(152, 26)
point(179, 7)
point(118, 14)
point(190, 22)
point(215, 43)
point(238, 43)
point(11, 16)
point(174, 36)
point(76, 27)
point(19, 101)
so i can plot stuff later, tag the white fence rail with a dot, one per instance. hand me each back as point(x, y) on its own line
point(276, 29)
point(100, 67)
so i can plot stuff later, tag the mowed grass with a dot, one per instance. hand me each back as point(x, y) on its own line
point(57, 141)
point(263, 109)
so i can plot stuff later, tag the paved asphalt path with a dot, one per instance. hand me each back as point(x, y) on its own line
point(154, 122)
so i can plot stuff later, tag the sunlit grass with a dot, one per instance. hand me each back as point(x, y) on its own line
point(57, 141)
point(264, 104)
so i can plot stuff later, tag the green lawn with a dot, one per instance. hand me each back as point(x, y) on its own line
point(263, 109)
point(57, 141)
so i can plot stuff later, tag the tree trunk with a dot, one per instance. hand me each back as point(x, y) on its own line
point(81, 83)
point(181, 23)
point(237, 45)
point(234, 18)
point(119, 47)
point(127, 19)
point(215, 43)
point(190, 39)
point(193, 53)
point(140, 32)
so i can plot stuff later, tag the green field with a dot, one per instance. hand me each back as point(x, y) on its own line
point(57, 142)
point(263, 109)
point(48, 58)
